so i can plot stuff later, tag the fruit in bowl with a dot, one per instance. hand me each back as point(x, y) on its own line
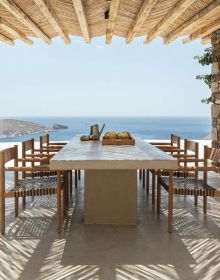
point(124, 135)
point(110, 135)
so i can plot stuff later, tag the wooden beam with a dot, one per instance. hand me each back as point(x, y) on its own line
point(24, 19)
point(194, 22)
point(114, 6)
point(6, 40)
point(81, 15)
point(170, 17)
point(206, 39)
point(203, 32)
point(51, 16)
point(14, 32)
point(142, 15)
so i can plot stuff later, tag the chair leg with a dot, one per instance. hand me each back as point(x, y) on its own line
point(158, 196)
point(59, 211)
point(147, 182)
point(2, 213)
point(140, 174)
point(65, 194)
point(153, 187)
point(16, 207)
point(170, 203)
point(205, 204)
point(24, 202)
point(196, 200)
point(71, 181)
point(79, 175)
point(76, 179)
point(144, 178)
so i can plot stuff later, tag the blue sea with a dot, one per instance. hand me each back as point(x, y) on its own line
point(139, 127)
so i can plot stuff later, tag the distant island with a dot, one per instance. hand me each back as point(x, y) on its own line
point(57, 126)
point(12, 128)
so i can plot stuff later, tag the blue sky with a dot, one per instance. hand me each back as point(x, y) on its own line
point(102, 80)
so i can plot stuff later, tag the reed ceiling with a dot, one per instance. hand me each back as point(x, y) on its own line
point(169, 19)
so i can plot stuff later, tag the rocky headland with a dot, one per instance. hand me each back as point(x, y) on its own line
point(12, 128)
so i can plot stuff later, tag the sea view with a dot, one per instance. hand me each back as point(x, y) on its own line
point(140, 127)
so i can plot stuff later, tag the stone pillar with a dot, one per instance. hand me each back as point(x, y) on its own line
point(215, 110)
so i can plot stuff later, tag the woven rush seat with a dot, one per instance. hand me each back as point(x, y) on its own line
point(176, 173)
point(188, 186)
point(43, 173)
point(36, 186)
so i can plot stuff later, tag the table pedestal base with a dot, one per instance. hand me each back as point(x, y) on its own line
point(110, 197)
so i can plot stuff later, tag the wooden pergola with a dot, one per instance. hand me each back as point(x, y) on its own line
point(169, 19)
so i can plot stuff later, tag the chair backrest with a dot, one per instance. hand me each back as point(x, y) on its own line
point(27, 147)
point(213, 155)
point(191, 146)
point(7, 155)
point(44, 141)
point(191, 151)
point(27, 150)
point(175, 140)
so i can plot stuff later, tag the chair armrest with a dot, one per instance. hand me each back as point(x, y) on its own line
point(26, 168)
point(198, 168)
point(34, 160)
point(190, 160)
point(160, 143)
point(40, 155)
point(58, 143)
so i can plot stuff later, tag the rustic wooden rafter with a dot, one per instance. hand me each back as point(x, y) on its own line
point(141, 17)
point(113, 11)
point(203, 32)
point(23, 18)
point(206, 40)
point(6, 40)
point(51, 16)
point(82, 18)
point(194, 22)
point(170, 17)
point(4, 25)
point(194, 19)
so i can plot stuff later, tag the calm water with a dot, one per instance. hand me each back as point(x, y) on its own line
point(145, 127)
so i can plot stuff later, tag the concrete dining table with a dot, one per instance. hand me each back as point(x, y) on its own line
point(110, 176)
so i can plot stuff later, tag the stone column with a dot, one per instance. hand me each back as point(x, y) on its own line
point(215, 109)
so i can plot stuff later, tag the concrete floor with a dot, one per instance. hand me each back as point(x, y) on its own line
point(31, 249)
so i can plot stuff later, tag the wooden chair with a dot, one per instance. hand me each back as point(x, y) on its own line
point(188, 183)
point(30, 158)
point(29, 186)
point(48, 146)
point(52, 148)
point(172, 147)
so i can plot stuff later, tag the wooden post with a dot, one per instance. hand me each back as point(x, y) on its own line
point(153, 186)
point(170, 202)
point(158, 192)
point(215, 87)
point(2, 193)
point(16, 180)
point(59, 212)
